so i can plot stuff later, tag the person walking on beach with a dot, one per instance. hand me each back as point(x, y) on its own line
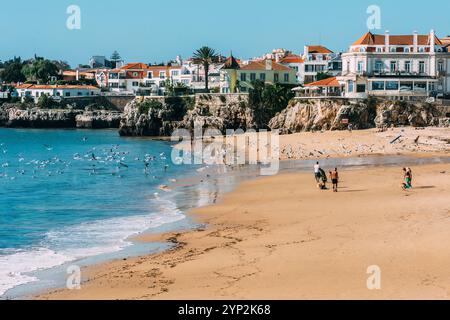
point(334, 175)
point(317, 174)
point(407, 175)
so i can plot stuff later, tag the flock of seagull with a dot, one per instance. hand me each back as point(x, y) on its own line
point(112, 161)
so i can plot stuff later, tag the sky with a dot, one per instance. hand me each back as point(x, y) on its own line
point(158, 30)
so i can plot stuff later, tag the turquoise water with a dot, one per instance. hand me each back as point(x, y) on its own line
point(70, 194)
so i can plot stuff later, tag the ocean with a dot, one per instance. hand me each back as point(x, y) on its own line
point(66, 195)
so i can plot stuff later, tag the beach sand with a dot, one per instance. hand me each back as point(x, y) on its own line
point(281, 238)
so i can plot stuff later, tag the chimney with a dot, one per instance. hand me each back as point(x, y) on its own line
point(432, 41)
point(415, 41)
point(77, 77)
point(269, 64)
point(306, 50)
point(387, 40)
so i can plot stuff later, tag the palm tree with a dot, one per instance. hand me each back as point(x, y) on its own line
point(205, 56)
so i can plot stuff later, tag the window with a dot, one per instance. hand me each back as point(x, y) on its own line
point(175, 73)
point(392, 85)
point(150, 75)
point(420, 86)
point(252, 76)
point(275, 77)
point(58, 94)
point(162, 74)
point(378, 85)
point(67, 94)
point(393, 49)
point(360, 66)
point(408, 66)
point(361, 88)
point(406, 86)
point(80, 93)
point(421, 49)
point(440, 66)
point(243, 77)
point(378, 66)
point(351, 86)
point(135, 74)
point(421, 66)
point(379, 49)
point(406, 49)
point(135, 84)
point(431, 86)
point(286, 77)
point(262, 77)
point(393, 66)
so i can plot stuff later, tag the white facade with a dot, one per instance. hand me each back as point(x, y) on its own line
point(316, 60)
point(406, 67)
point(56, 91)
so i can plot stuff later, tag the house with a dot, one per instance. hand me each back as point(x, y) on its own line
point(239, 78)
point(396, 66)
point(56, 91)
point(316, 59)
point(295, 62)
point(127, 79)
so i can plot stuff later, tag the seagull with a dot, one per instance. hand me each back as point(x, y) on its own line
point(49, 148)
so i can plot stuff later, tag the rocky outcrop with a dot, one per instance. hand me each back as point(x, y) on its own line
point(336, 114)
point(98, 120)
point(19, 116)
point(417, 114)
point(309, 115)
point(210, 111)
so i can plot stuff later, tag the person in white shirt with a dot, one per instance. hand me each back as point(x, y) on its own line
point(317, 172)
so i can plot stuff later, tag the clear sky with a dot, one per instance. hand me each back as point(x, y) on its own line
point(158, 30)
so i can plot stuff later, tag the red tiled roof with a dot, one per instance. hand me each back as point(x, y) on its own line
point(261, 65)
point(318, 49)
point(49, 87)
point(377, 39)
point(329, 82)
point(292, 58)
point(134, 66)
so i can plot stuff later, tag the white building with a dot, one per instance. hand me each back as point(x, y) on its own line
point(56, 91)
point(316, 60)
point(396, 66)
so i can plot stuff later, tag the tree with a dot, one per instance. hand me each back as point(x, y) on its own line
point(45, 102)
point(323, 76)
point(13, 71)
point(266, 100)
point(205, 56)
point(40, 70)
point(115, 57)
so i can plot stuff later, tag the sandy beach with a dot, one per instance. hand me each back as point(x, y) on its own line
point(282, 238)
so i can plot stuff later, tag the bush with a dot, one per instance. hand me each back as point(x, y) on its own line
point(145, 106)
point(45, 102)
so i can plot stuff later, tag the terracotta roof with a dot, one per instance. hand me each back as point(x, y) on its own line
point(318, 49)
point(446, 41)
point(49, 87)
point(134, 66)
point(292, 58)
point(377, 39)
point(329, 82)
point(261, 65)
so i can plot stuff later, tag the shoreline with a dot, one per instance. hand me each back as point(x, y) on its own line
point(187, 245)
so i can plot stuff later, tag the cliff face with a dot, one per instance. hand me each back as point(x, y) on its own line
point(211, 111)
point(14, 116)
point(320, 115)
point(306, 115)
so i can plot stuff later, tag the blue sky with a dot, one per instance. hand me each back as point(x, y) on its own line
point(155, 31)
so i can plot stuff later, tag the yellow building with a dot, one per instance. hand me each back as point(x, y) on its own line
point(236, 77)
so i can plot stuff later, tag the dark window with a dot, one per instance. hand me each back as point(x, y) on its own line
point(275, 77)
point(243, 77)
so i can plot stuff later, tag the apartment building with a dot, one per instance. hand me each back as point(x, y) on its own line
point(396, 66)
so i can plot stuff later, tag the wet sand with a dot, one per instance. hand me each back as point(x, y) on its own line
point(282, 238)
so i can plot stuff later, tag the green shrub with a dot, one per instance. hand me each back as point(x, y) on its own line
point(145, 106)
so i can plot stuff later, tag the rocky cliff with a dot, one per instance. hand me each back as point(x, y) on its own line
point(334, 114)
point(161, 118)
point(20, 116)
